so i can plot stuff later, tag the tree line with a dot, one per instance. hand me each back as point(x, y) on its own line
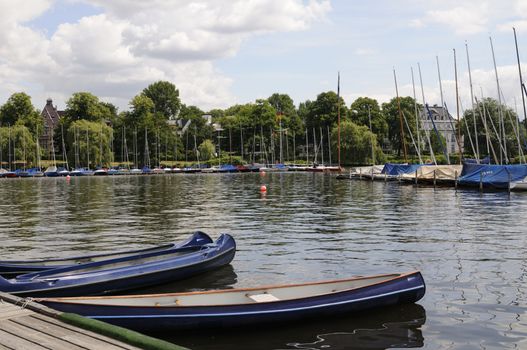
point(94, 133)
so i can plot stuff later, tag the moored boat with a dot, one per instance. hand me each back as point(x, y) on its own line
point(18, 267)
point(110, 276)
point(242, 307)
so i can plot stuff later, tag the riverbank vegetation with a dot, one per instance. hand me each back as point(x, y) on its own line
point(160, 129)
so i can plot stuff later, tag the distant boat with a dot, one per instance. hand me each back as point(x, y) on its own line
point(63, 172)
point(136, 271)
point(81, 172)
point(243, 169)
point(248, 306)
point(146, 170)
point(35, 172)
point(493, 176)
point(51, 171)
point(100, 172)
point(227, 168)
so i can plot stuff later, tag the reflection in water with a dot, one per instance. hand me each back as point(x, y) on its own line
point(469, 247)
point(393, 327)
point(222, 278)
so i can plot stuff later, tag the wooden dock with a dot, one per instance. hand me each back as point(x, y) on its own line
point(21, 328)
point(27, 325)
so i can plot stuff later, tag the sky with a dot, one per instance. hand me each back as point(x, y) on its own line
point(221, 53)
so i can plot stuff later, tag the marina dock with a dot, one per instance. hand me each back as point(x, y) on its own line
point(28, 325)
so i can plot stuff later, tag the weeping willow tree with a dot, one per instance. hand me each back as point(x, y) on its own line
point(356, 144)
point(18, 147)
point(89, 144)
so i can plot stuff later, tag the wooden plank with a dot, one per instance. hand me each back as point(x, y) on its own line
point(13, 341)
point(35, 336)
point(70, 334)
point(14, 311)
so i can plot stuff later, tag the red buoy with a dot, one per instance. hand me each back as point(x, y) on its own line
point(263, 188)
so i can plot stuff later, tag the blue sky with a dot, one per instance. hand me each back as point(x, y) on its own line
point(239, 51)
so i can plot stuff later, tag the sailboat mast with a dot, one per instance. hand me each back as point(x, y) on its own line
point(64, 157)
point(400, 116)
point(416, 119)
point(522, 86)
point(315, 146)
point(473, 105)
point(87, 148)
point(307, 147)
point(457, 111)
point(442, 107)
point(338, 119)
point(500, 112)
point(241, 142)
point(321, 146)
point(424, 113)
point(329, 144)
point(280, 125)
point(371, 140)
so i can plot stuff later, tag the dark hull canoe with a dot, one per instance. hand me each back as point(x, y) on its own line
point(19, 267)
point(124, 274)
point(243, 307)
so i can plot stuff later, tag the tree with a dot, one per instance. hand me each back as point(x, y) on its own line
point(86, 106)
point(487, 116)
point(391, 114)
point(206, 150)
point(438, 143)
point(360, 111)
point(19, 110)
point(165, 97)
point(356, 144)
point(89, 141)
point(324, 110)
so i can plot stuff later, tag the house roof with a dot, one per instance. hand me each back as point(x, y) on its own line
point(50, 113)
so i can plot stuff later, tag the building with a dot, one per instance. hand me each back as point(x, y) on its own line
point(51, 117)
point(445, 125)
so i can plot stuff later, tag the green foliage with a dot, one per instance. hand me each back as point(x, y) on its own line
point(438, 144)
point(323, 111)
point(356, 141)
point(285, 107)
point(360, 112)
point(86, 106)
point(165, 97)
point(392, 117)
point(489, 108)
point(89, 144)
point(206, 150)
point(18, 148)
point(19, 110)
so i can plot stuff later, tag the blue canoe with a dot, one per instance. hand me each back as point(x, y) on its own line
point(110, 276)
point(18, 267)
point(242, 307)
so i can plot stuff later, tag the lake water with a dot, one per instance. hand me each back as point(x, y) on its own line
point(470, 247)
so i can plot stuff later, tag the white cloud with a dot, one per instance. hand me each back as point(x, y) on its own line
point(133, 43)
point(464, 19)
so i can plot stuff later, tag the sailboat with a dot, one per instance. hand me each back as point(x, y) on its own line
point(52, 171)
point(135, 170)
point(100, 170)
point(36, 172)
point(146, 168)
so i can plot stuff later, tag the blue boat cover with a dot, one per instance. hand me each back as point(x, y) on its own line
point(485, 160)
point(398, 169)
point(497, 176)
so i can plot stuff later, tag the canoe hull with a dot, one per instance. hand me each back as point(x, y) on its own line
point(167, 267)
point(409, 288)
point(18, 267)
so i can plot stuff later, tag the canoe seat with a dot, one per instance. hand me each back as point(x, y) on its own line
point(262, 298)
